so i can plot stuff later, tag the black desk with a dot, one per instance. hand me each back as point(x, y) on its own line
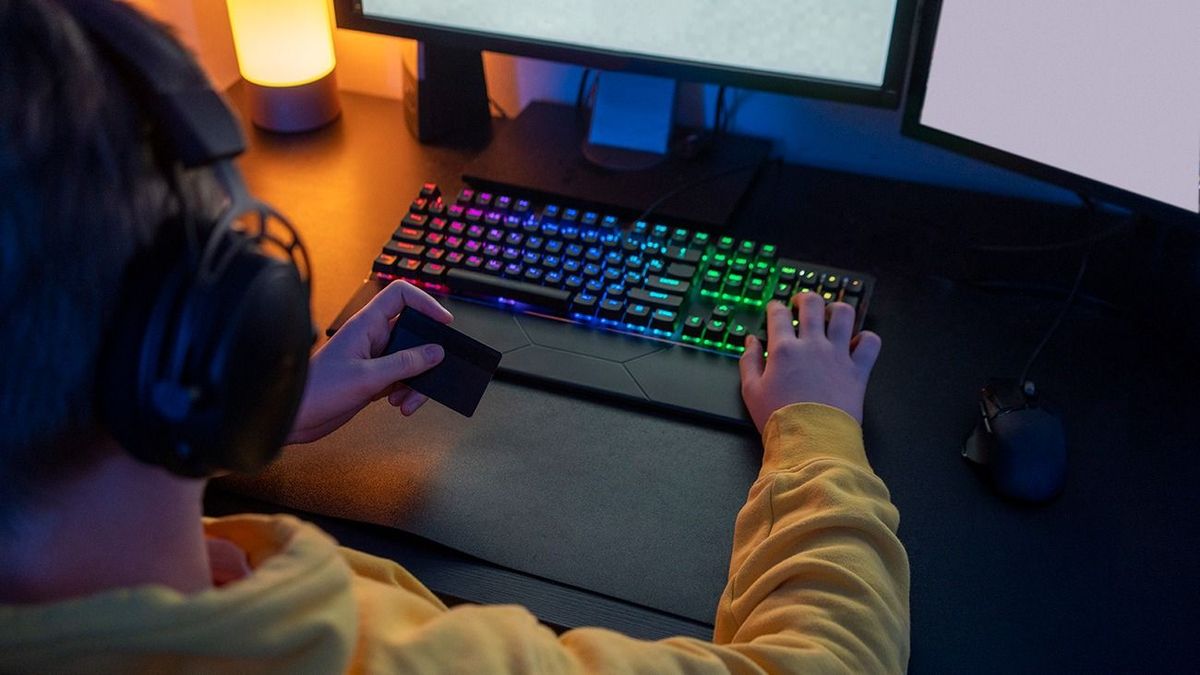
point(1104, 579)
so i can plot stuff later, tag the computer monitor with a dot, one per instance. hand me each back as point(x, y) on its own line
point(847, 50)
point(852, 50)
point(1100, 97)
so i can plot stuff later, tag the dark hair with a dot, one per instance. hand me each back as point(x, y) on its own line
point(82, 192)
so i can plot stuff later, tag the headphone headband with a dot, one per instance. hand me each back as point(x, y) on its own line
point(195, 120)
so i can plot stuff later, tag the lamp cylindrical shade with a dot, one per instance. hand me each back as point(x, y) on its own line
point(285, 54)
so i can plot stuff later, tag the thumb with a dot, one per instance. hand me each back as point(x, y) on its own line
point(864, 349)
point(387, 370)
point(751, 364)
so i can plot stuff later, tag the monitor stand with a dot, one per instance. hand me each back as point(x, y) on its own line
point(631, 121)
point(445, 96)
point(541, 151)
point(700, 179)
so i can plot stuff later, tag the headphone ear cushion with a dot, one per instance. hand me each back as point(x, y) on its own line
point(131, 361)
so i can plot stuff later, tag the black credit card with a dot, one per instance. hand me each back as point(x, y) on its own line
point(458, 382)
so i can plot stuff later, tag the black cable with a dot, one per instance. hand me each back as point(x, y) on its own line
point(583, 80)
point(1083, 264)
point(1089, 211)
point(499, 109)
point(730, 111)
point(695, 182)
point(720, 108)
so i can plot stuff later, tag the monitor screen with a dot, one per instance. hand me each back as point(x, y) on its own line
point(854, 48)
point(1106, 91)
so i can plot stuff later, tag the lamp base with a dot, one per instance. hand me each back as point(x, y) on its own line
point(302, 107)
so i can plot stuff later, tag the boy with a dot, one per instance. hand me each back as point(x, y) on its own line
point(106, 563)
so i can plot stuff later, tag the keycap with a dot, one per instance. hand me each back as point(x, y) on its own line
point(733, 284)
point(736, 335)
point(408, 234)
point(611, 309)
point(714, 330)
point(399, 248)
point(687, 255)
point(667, 284)
point(662, 319)
point(638, 313)
point(383, 263)
point(681, 271)
point(433, 270)
point(584, 302)
point(693, 326)
point(655, 298)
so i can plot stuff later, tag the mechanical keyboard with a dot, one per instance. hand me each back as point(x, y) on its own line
point(576, 297)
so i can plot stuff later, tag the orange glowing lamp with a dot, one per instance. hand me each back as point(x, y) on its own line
point(285, 54)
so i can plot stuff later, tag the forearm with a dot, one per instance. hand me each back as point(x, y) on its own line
point(816, 565)
point(818, 583)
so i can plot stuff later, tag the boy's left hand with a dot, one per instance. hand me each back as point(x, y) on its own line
point(347, 372)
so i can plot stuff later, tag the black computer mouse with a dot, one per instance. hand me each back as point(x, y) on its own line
point(1020, 443)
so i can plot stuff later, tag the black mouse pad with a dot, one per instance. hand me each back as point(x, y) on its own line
point(458, 382)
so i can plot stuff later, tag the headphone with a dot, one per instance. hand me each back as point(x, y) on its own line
point(206, 362)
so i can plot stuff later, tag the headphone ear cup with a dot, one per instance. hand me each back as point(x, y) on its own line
point(132, 358)
point(206, 376)
point(253, 332)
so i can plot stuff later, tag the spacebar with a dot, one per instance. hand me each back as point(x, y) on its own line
point(478, 283)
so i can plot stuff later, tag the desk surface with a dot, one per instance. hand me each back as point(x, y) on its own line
point(1102, 579)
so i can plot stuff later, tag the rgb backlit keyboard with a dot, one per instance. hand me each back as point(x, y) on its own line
point(558, 260)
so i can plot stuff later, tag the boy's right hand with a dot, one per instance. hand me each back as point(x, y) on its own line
point(809, 363)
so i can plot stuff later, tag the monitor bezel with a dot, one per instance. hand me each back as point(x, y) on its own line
point(349, 14)
point(911, 126)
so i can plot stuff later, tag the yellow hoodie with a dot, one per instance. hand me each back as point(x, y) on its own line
point(818, 582)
